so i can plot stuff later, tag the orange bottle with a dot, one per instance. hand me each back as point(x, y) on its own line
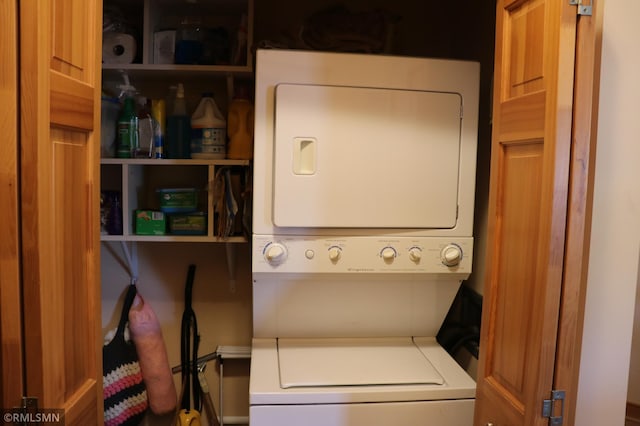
point(240, 126)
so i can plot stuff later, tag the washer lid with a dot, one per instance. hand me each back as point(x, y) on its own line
point(353, 362)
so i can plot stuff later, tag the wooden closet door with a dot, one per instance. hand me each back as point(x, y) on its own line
point(529, 185)
point(10, 310)
point(60, 50)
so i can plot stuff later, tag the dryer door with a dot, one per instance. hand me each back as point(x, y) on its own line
point(362, 157)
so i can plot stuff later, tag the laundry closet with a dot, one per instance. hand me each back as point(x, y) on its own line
point(222, 289)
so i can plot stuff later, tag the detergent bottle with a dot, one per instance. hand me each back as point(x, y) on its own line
point(240, 126)
point(208, 130)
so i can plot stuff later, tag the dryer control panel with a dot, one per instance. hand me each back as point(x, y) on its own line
point(412, 255)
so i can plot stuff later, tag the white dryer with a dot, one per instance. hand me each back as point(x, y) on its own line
point(364, 178)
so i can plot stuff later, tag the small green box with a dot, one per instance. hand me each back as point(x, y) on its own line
point(178, 200)
point(188, 224)
point(150, 222)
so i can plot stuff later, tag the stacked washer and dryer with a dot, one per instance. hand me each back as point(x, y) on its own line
point(364, 179)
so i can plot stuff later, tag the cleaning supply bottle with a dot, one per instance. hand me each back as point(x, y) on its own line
point(240, 126)
point(208, 130)
point(178, 128)
point(158, 111)
point(144, 147)
point(127, 129)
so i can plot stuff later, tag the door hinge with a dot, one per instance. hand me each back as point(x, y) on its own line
point(583, 9)
point(549, 408)
point(29, 403)
point(20, 414)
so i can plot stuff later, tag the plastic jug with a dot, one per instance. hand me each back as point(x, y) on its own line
point(208, 130)
point(240, 126)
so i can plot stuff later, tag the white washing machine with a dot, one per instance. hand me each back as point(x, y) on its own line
point(364, 178)
point(376, 381)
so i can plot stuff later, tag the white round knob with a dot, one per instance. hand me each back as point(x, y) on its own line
point(451, 255)
point(275, 253)
point(334, 253)
point(388, 254)
point(415, 254)
point(309, 254)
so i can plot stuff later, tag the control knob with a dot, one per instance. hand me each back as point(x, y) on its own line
point(335, 253)
point(451, 255)
point(415, 254)
point(388, 254)
point(275, 253)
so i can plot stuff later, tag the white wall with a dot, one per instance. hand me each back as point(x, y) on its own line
point(613, 263)
point(634, 369)
point(223, 315)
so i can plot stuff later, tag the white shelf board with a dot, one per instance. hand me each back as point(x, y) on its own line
point(171, 162)
point(173, 238)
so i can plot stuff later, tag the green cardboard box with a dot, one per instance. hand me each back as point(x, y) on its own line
point(188, 224)
point(178, 200)
point(150, 222)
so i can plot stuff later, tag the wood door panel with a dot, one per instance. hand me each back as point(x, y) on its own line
point(582, 173)
point(11, 389)
point(60, 98)
point(69, 45)
point(71, 103)
point(515, 263)
point(512, 410)
point(535, 44)
point(524, 41)
point(523, 118)
point(70, 236)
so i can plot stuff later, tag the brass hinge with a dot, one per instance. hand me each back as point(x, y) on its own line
point(549, 408)
point(583, 9)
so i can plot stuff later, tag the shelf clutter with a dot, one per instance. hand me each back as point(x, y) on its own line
point(137, 187)
point(160, 57)
point(170, 32)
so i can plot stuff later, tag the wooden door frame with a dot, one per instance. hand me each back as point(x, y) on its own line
point(580, 202)
point(11, 385)
point(578, 227)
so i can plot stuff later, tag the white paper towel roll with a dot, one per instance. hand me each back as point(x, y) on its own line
point(118, 48)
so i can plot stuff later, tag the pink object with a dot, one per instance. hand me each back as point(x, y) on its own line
point(152, 353)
